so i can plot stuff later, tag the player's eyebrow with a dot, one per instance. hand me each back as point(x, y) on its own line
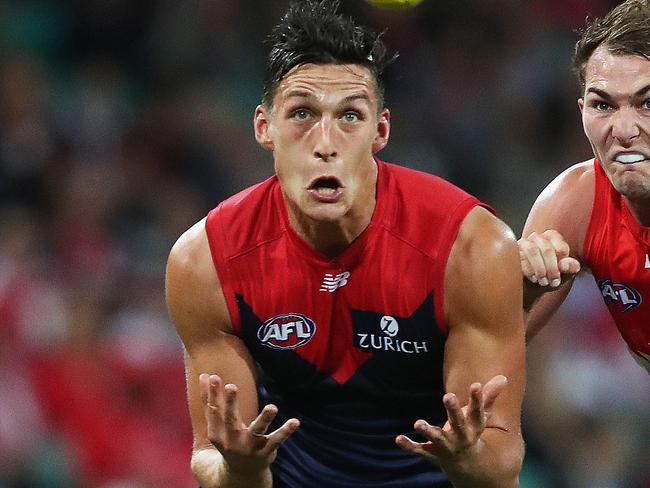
point(356, 96)
point(642, 91)
point(601, 93)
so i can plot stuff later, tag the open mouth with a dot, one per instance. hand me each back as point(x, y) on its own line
point(326, 187)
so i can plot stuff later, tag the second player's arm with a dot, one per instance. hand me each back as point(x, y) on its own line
point(564, 206)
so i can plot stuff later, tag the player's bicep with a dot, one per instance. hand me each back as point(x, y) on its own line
point(199, 312)
point(483, 292)
point(565, 206)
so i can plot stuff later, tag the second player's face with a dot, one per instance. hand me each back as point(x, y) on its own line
point(616, 119)
point(323, 129)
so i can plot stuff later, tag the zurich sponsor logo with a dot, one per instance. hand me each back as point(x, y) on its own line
point(620, 295)
point(286, 331)
point(389, 340)
point(389, 325)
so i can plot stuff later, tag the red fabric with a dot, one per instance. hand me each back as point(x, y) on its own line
point(616, 249)
point(412, 230)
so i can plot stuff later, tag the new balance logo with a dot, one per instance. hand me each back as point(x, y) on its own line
point(331, 282)
point(647, 261)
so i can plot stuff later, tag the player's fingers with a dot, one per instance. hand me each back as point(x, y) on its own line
point(455, 415)
point(532, 260)
point(231, 417)
point(558, 243)
point(260, 424)
point(204, 387)
point(526, 268)
point(492, 389)
point(476, 409)
point(211, 393)
point(280, 435)
point(569, 265)
point(545, 263)
point(425, 450)
point(435, 434)
point(406, 443)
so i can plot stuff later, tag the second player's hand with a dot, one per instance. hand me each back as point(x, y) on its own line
point(463, 430)
point(245, 448)
point(545, 258)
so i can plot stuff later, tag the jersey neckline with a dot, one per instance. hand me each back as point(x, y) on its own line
point(350, 255)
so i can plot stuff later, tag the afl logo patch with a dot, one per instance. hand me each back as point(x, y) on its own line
point(620, 295)
point(286, 331)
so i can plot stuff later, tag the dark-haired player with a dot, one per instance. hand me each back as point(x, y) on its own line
point(348, 322)
point(598, 212)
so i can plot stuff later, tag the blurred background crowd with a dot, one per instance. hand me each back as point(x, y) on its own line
point(123, 122)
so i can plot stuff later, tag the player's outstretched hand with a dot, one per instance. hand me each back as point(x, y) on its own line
point(463, 429)
point(245, 448)
point(545, 259)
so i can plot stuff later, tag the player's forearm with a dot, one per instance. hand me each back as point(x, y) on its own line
point(542, 307)
point(532, 293)
point(494, 463)
point(211, 471)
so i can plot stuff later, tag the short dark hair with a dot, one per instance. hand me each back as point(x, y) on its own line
point(624, 30)
point(312, 31)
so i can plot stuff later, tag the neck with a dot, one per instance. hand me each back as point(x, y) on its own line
point(640, 210)
point(328, 238)
point(332, 237)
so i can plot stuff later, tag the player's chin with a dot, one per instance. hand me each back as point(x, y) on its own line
point(327, 212)
point(634, 187)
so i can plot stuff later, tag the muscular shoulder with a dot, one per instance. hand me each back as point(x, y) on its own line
point(190, 259)
point(565, 205)
point(567, 185)
point(483, 272)
point(193, 292)
point(482, 238)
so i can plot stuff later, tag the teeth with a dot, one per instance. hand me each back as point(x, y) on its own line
point(326, 190)
point(630, 158)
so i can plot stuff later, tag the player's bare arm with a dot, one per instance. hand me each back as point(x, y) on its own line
point(481, 444)
point(232, 446)
point(551, 245)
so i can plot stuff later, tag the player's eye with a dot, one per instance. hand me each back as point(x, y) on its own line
point(601, 106)
point(351, 117)
point(301, 114)
point(646, 104)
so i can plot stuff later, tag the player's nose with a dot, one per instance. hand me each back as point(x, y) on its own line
point(324, 147)
point(625, 125)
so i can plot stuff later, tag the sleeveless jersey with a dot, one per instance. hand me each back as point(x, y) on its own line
point(351, 346)
point(617, 249)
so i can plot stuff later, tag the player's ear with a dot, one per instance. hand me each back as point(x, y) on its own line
point(261, 124)
point(383, 131)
